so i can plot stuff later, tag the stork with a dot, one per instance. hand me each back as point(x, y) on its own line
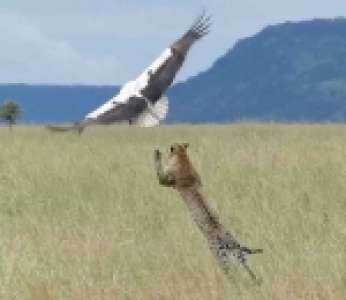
point(143, 101)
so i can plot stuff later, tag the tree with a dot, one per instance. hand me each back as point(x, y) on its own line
point(9, 112)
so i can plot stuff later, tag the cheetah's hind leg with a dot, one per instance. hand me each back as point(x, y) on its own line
point(227, 255)
point(243, 251)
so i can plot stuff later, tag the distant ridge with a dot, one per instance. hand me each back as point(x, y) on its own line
point(295, 71)
point(56, 103)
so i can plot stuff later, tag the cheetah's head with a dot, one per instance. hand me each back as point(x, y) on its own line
point(178, 149)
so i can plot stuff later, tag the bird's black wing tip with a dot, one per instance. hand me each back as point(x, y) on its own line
point(202, 24)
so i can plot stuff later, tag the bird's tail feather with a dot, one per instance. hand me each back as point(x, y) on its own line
point(154, 113)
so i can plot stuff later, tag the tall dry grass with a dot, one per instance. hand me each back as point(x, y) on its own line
point(84, 218)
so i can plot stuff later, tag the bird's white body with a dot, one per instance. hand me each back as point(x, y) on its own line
point(133, 88)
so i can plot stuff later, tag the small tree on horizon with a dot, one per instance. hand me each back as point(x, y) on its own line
point(9, 112)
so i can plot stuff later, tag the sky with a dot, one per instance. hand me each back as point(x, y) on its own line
point(111, 41)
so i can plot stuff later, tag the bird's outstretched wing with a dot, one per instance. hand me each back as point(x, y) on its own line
point(160, 75)
point(121, 111)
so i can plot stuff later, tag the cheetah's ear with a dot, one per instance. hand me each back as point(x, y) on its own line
point(186, 145)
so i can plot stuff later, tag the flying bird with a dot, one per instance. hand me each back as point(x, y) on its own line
point(143, 101)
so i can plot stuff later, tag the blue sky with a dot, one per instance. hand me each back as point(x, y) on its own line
point(110, 42)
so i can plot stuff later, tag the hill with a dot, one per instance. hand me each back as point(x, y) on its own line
point(287, 72)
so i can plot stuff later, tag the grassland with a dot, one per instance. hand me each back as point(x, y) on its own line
point(84, 218)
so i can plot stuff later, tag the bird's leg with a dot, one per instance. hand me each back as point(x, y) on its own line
point(79, 128)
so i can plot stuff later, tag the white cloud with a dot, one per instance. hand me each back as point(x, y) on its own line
point(109, 41)
point(27, 55)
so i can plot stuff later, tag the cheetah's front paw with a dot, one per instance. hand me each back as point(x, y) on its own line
point(157, 154)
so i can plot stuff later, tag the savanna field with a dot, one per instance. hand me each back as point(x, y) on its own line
point(85, 218)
